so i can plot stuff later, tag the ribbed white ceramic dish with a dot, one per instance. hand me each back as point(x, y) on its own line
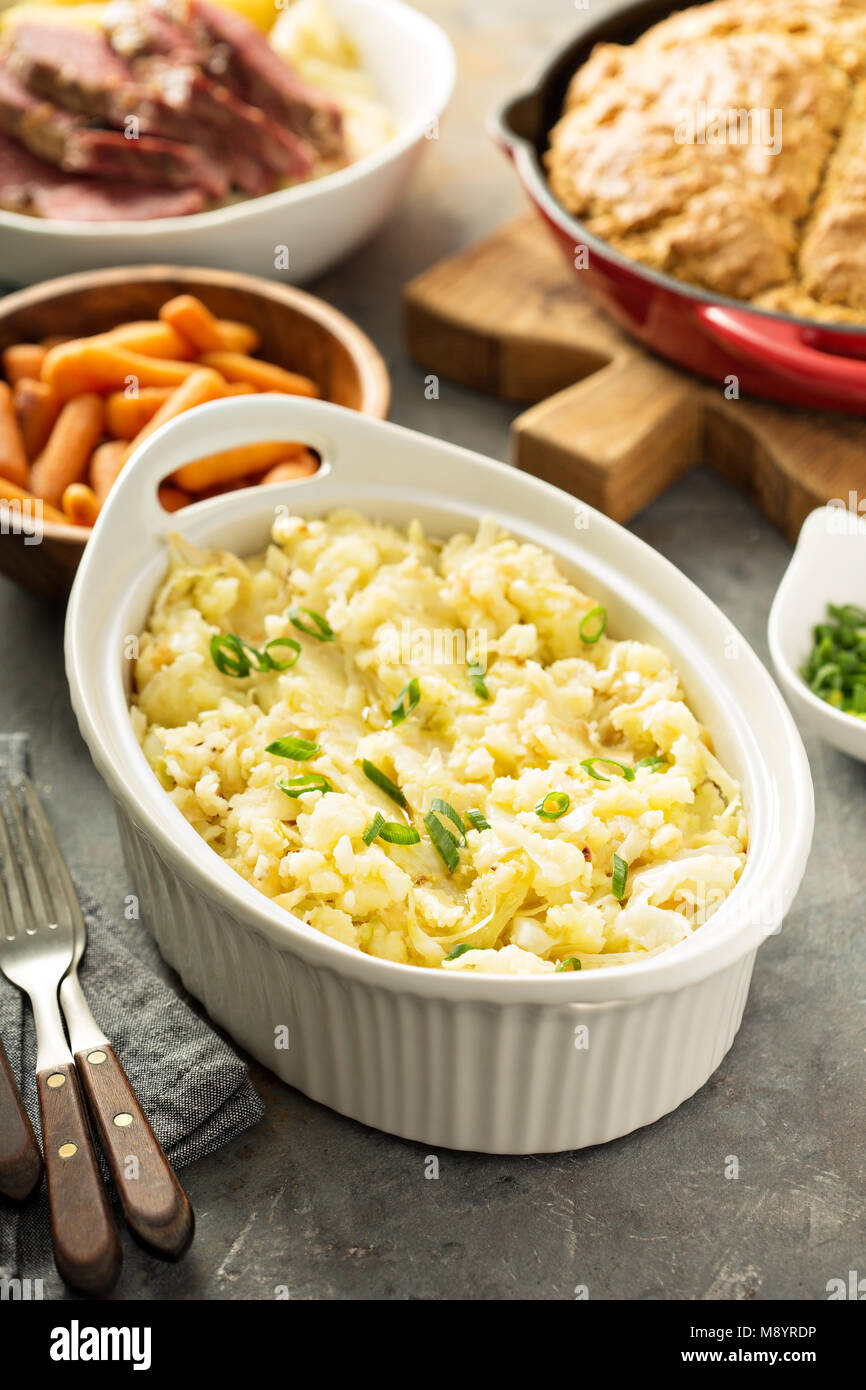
point(493, 1063)
point(411, 62)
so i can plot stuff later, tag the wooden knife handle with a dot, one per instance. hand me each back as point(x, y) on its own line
point(86, 1246)
point(154, 1203)
point(20, 1159)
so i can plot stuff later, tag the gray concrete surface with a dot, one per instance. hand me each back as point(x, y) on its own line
point(332, 1210)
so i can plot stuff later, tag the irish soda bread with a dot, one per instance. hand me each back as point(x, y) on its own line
point(727, 147)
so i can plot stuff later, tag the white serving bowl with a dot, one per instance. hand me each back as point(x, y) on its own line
point(412, 64)
point(485, 1062)
point(828, 566)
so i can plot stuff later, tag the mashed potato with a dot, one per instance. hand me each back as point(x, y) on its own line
point(564, 807)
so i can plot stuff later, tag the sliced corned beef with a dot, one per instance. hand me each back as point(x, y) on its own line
point(250, 67)
point(66, 140)
point(97, 200)
point(29, 184)
point(74, 68)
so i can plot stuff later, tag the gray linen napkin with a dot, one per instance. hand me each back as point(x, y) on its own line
point(192, 1086)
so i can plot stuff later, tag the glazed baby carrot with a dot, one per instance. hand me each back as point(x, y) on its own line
point(235, 366)
point(13, 455)
point(65, 457)
point(11, 492)
point(153, 338)
point(230, 464)
point(105, 464)
point(126, 415)
point(173, 498)
point(100, 364)
point(37, 409)
point(206, 332)
point(23, 359)
point(201, 386)
point(290, 468)
point(80, 504)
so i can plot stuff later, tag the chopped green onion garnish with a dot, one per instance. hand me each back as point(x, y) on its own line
point(373, 828)
point(293, 647)
point(620, 874)
point(300, 749)
point(444, 842)
point(652, 762)
point(475, 672)
point(589, 764)
point(406, 701)
point(836, 669)
point(308, 782)
point(459, 950)
point(477, 821)
point(572, 961)
point(446, 809)
point(593, 624)
point(235, 657)
point(228, 655)
point(553, 805)
point(391, 831)
point(321, 630)
point(384, 783)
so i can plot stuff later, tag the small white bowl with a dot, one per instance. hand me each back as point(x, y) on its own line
point(411, 62)
point(828, 566)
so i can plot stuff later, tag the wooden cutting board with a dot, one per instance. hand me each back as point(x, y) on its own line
point(612, 423)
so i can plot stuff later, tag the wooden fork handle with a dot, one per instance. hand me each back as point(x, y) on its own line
point(20, 1159)
point(86, 1246)
point(154, 1203)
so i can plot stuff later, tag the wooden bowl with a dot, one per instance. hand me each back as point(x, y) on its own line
point(297, 330)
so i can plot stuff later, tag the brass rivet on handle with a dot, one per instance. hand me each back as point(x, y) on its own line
point(96, 1057)
point(122, 1120)
point(55, 1080)
point(67, 1150)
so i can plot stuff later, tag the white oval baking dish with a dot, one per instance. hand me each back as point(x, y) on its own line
point(412, 64)
point(491, 1063)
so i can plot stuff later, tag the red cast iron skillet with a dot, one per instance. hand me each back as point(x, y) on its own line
point(790, 359)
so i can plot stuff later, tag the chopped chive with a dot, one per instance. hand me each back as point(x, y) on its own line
point(477, 821)
point(321, 630)
point(373, 828)
point(593, 624)
point(459, 950)
point(589, 764)
point(384, 783)
point(300, 749)
point(406, 701)
point(306, 782)
point(652, 762)
point(620, 874)
point(553, 805)
point(444, 842)
point(446, 809)
point(293, 646)
point(475, 671)
point(572, 961)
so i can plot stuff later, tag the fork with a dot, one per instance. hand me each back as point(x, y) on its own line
point(154, 1203)
point(36, 946)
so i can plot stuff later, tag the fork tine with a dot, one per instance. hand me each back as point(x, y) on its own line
point(40, 903)
point(55, 872)
point(15, 893)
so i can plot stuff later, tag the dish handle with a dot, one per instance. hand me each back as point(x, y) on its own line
point(133, 506)
point(783, 343)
